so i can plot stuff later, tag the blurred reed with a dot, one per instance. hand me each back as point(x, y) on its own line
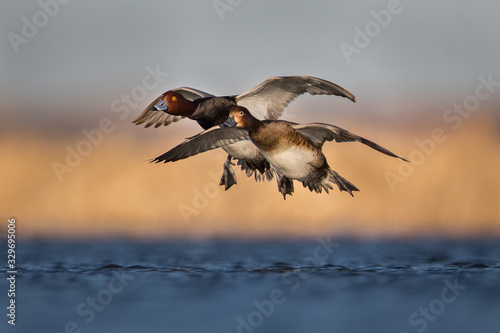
point(115, 192)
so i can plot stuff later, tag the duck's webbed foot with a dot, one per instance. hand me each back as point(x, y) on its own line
point(228, 178)
point(285, 184)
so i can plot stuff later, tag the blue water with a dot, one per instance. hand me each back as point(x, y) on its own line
point(268, 286)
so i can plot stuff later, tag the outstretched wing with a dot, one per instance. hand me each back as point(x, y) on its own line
point(192, 93)
point(212, 138)
point(269, 99)
point(152, 116)
point(318, 133)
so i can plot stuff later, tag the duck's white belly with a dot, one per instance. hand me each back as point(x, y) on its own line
point(245, 150)
point(293, 162)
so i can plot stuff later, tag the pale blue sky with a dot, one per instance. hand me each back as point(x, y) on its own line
point(91, 52)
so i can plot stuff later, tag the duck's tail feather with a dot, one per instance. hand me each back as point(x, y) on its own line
point(325, 183)
point(342, 183)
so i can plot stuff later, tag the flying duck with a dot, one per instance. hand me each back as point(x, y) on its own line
point(293, 150)
point(268, 101)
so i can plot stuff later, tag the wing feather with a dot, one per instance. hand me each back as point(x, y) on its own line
point(269, 99)
point(318, 133)
point(192, 93)
point(212, 138)
point(158, 118)
point(151, 116)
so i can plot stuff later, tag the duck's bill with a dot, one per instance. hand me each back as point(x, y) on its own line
point(230, 122)
point(160, 105)
point(151, 116)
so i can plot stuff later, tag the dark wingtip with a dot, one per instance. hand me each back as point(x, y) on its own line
point(157, 160)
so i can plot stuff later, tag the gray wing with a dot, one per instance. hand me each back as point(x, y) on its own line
point(269, 99)
point(212, 138)
point(151, 116)
point(318, 133)
point(191, 93)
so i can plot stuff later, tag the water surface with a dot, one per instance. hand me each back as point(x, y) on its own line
point(252, 286)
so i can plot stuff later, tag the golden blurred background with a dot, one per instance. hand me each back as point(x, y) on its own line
point(75, 75)
point(114, 191)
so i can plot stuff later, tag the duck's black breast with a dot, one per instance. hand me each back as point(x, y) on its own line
point(212, 111)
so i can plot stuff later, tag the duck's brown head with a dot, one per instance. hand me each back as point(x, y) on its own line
point(240, 117)
point(174, 103)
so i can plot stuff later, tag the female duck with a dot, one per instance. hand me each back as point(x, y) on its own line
point(293, 150)
point(268, 100)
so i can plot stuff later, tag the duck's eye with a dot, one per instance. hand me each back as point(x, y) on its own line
point(174, 98)
point(241, 113)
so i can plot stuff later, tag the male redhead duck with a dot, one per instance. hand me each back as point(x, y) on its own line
point(293, 150)
point(268, 100)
